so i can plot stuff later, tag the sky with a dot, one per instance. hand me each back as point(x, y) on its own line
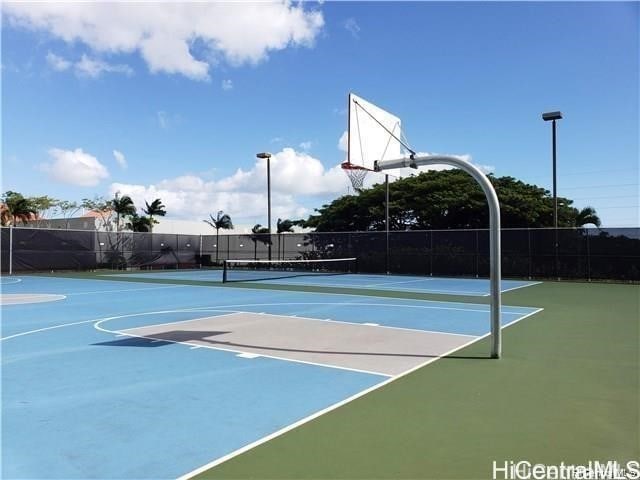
point(173, 101)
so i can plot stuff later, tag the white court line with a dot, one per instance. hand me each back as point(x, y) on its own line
point(397, 283)
point(531, 284)
point(233, 350)
point(377, 325)
point(381, 287)
point(234, 312)
point(46, 328)
point(248, 355)
point(285, 293)
point(116, 317)
point(330, 408)
point(15, 280)
point(127, 290)
point(426, 307)
point(224, 308)
point(185, 310)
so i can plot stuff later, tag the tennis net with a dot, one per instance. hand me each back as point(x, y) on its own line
point(255, 270)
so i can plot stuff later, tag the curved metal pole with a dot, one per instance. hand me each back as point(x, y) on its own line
point(494, 228)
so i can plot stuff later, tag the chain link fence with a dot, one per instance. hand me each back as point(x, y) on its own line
point(577, 254)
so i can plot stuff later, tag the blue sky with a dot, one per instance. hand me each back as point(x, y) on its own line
point(173, 101)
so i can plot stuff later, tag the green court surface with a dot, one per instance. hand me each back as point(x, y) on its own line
point(566, 390)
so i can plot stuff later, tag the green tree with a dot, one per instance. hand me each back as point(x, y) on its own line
point(222, 220)
point(448, 199)
point(16, 208)
point(587, 216)
point(101, 206)
point(122, 206)
point(139, 223)
point(156, 208)
point(259, 234)
point(43, 205)
point(67, 209)
point(283, 226)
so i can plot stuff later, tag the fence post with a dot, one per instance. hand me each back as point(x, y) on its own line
point(11, 250)
point(588, 255)
point(431, 253)
point(530, 262)
point(557, 259)
point(477, 255)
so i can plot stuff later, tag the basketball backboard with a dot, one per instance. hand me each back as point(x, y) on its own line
point(373, 134)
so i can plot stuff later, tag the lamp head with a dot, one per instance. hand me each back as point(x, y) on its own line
point(551, 116)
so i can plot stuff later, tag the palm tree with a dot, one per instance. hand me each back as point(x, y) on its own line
point(156, 208)
point(139, 224)
point(258, 233)
point(223, 221)
point(587, 215)
point(123, 206)
point(282, 227)
point(16, 207)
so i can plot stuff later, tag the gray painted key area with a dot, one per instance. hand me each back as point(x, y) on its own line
point(369, 348)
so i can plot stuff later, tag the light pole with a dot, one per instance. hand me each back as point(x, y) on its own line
point(267, 155)
point(552, 117)
point(386, 219)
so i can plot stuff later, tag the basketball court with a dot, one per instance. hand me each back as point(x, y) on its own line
point(116, 379)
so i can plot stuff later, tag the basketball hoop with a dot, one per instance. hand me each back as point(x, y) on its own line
point(356, 174)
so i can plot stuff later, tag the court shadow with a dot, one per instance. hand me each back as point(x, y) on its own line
point(161, 339)
point(204, 338)
point(133, 342)
point(468, 357)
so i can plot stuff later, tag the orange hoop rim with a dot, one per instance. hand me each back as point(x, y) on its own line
point(352, 166)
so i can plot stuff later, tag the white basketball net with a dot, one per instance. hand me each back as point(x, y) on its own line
point(356, 175)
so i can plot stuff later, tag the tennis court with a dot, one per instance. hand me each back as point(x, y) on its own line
point(392, 283)
point(110, 379)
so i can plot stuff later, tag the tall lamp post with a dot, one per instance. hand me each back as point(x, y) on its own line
point(552, 117)
point(267, 155)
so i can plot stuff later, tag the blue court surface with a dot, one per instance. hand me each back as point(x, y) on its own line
point(398, 283)
point(108, 379)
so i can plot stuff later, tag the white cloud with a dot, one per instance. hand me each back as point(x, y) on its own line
point(352, 27)
point(163, 120)
point(306, 146)
point(120, 159)
point(486, 169)
point(292, 172)
point(86, 66)
point(93, 68)
point(58, 63)
point(227, 84)
point(165, 33)
point(342, 143)
point(197, 204)
point(243, 195)
point(75, 167)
